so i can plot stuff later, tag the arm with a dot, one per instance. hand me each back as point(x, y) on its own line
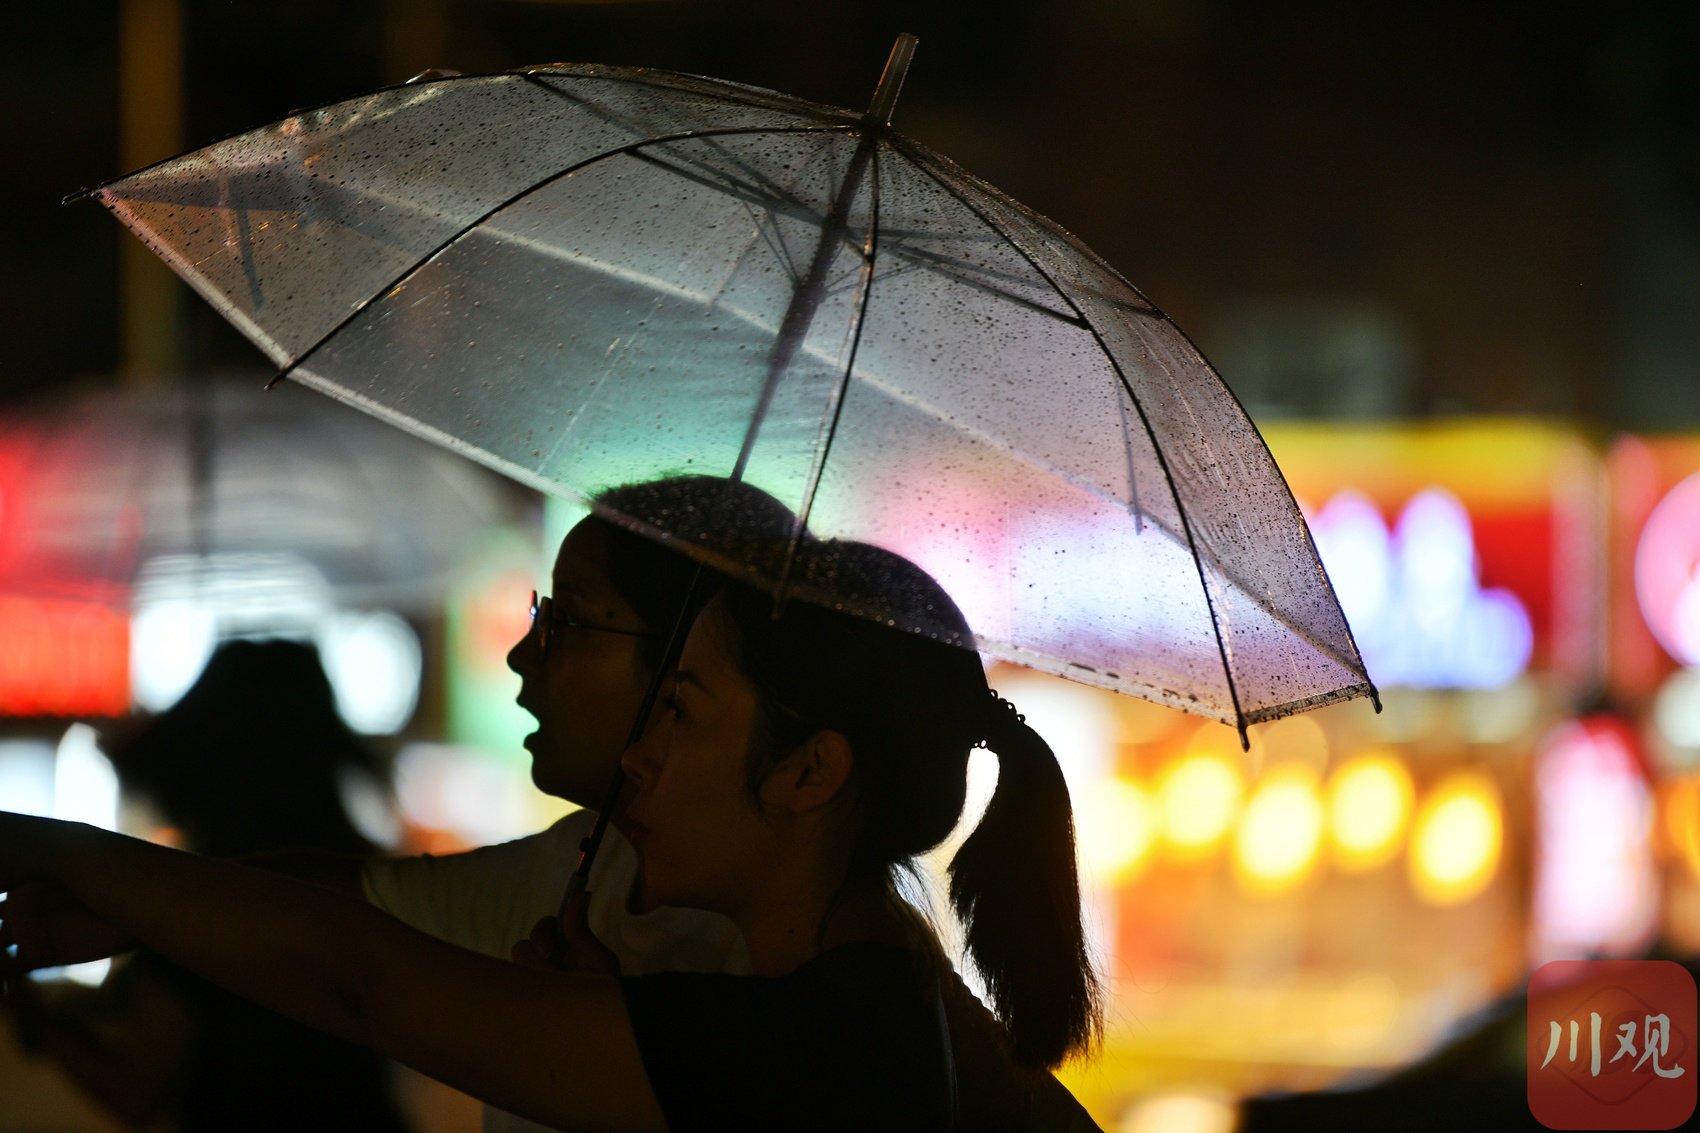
point(554, 1046)
point(49, 928)
point(339, 873)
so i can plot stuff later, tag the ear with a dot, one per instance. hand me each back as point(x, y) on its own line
point(812, 775)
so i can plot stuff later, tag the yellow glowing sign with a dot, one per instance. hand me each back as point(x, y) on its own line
point(1116, 822)
point(1280, 834)
point(1200, 798)
point(1456, 839)
point(1369, 806)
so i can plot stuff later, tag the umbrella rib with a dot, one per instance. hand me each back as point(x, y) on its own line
point(1127, 453)
point(747, 194)
point(1354, 663)
point(749, 197)
point(655, 78)
point(754, 173)
point(413, 269)
point(953, 269)
point(648, 79)
point(1156, 449)
point(774, 238)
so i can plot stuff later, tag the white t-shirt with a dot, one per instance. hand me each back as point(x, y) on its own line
point(490, 898)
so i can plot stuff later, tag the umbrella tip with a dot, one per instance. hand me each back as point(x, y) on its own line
point(891, 81)
point(432, 74)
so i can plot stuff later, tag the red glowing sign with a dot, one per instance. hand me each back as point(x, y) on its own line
point(60, 658)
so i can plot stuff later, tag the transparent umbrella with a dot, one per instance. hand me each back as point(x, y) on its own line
point(585, 275)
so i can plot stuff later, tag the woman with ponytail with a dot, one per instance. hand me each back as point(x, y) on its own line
point(910, 707)
point(798, 763)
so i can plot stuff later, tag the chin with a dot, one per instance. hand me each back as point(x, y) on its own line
point(565, 785)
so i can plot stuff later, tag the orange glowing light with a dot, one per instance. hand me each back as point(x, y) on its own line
point(63, 659)
point(1456, 839)
point(1369, 807)
point(1280, 834)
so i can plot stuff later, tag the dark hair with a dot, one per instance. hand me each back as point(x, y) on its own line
point(658, 530)
point(912, 706)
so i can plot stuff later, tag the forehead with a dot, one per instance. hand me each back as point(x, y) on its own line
point(583, 562)
point(707, 657)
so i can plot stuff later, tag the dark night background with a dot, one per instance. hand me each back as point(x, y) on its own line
point(1429, 210)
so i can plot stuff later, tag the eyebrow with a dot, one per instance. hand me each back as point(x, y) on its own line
point(688, 677)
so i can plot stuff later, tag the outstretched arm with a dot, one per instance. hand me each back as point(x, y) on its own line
point(44, 927)
point(553, 1046)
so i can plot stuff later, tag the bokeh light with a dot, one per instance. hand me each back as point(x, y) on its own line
point(1369, 808)
point(1280, 833)
point(1667, 571)
point(1456, 839)
point(1296, 739)
point(1200, 797)
point(1681, 813)
point(1676, 711)
point(374, 661)
point(1180, 1113)
point(1117, 823)
point(1595, 879)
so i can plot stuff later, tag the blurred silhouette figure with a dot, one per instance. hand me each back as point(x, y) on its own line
point(252, 759)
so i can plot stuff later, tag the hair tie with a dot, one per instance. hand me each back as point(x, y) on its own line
point(998, 720)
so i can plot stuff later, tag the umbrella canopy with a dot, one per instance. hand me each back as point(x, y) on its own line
point(586, 275)
point(102, 492)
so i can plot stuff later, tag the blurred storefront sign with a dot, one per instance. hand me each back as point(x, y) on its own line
point(1335, 900)
point(1595, 890)
point(62, 658)
point(1655, 561)
point(1465, 553)
point(138, 530)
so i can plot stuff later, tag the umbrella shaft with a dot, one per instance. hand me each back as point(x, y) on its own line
point(806, 301)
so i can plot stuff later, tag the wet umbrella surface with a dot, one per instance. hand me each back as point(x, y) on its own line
point(586, 275)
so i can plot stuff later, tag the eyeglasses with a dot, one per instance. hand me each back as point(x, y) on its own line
point(544, 619)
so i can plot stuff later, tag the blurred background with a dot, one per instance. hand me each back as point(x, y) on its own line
point(1449, 257)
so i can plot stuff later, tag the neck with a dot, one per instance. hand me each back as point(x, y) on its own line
point(787, 932)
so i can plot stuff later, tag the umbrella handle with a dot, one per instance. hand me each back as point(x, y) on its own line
point(575, 886)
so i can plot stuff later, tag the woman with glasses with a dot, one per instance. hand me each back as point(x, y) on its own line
point(805, 758)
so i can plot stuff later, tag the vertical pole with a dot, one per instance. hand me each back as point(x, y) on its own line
point(150, 127)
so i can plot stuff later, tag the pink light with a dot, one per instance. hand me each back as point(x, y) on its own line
point(1594, 885)
point(1667, 571)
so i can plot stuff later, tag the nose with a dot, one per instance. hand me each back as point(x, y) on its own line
point(524, 654)
point(640, 760)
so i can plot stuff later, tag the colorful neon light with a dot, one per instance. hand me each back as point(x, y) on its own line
point(63, 658)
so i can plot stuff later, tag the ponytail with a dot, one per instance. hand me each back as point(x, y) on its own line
point(912, 705)
point(1013, 886)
